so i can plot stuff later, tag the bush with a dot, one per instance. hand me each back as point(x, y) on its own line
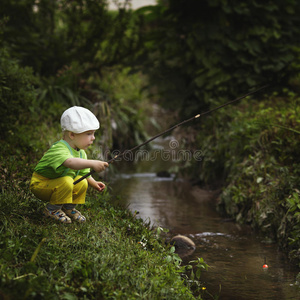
point(17, 92)
point(204, 50)
point(255, 153)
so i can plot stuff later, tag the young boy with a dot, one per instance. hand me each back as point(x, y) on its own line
point(65, 162)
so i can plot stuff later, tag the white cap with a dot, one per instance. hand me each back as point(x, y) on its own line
point(78, 119)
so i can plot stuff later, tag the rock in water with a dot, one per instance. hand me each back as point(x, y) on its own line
point(182, 242)
point(163, 174)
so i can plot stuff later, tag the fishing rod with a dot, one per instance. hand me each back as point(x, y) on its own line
point(172, 128)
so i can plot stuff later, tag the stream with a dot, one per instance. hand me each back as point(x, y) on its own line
point(235, 254)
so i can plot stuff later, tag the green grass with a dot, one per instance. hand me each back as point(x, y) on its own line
point(112, 256)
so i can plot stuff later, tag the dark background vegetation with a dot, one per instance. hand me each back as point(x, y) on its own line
point(187, 56)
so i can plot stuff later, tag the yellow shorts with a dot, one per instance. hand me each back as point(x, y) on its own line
point(59, 190)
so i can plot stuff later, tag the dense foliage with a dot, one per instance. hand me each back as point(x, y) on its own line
point(73, 48)
point(16, 94)
point(204, 51)
point(49, 35)
point(254, 157)
point(196, 53)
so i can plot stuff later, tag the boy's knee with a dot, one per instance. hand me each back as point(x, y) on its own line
point(83, 184)
point(66, 183)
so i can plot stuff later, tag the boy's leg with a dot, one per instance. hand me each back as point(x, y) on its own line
point(56, 191)
point(79, 193)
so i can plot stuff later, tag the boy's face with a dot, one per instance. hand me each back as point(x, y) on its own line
point(83, 140)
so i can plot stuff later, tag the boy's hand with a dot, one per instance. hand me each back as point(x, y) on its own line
point(97, 185)
point(99, 166)
point(100, 186)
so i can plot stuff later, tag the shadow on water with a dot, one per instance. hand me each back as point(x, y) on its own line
point(234, 253)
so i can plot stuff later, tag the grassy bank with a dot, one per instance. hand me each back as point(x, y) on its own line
point(253, 152)
point(112, 256)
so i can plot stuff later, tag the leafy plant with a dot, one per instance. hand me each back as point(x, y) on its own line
point(122, 106)
point(194, 278)
point(254, 154)
point(16, 93)
point(201, 51)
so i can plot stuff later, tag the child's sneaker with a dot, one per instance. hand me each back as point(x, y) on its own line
point(58, 215)
point(75, 215)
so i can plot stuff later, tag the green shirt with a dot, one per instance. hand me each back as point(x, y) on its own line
point(51, 164)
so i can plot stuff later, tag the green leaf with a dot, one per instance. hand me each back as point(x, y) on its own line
point(259, 179)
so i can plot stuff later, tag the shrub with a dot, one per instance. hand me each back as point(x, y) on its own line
point(255, 153)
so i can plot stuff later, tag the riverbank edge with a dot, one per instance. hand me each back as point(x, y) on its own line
point(113, 256)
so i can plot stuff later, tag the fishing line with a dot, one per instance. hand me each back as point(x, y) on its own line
point(173, 127)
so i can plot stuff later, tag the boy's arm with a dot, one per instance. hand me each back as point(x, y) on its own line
point(81, 163)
